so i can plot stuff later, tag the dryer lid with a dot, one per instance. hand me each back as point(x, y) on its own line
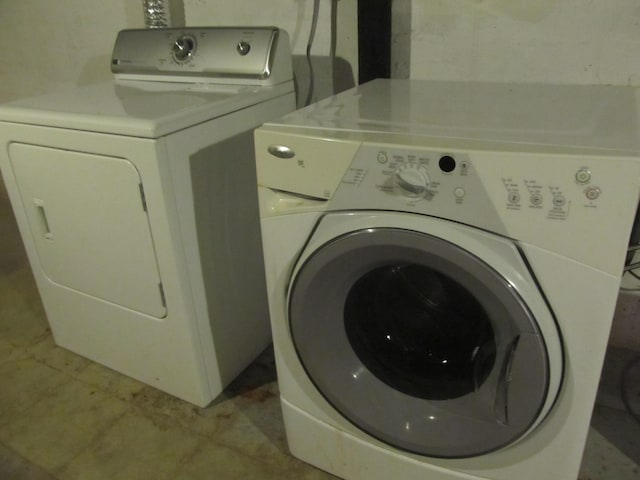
point(135, 108)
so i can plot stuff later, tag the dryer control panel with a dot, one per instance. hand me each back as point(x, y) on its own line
point(261, 54)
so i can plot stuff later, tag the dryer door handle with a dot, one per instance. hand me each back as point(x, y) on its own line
point(43, 220)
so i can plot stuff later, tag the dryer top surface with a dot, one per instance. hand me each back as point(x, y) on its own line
point(569, 116)
point(137, 108)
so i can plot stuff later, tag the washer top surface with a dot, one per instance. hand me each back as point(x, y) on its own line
point(137, 108)
point(569, 116)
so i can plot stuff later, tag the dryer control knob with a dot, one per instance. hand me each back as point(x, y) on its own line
point(183, 48)
point(412, 179)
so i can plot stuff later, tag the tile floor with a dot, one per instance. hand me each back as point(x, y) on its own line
point(65, 417)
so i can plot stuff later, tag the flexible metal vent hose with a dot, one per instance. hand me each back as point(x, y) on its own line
point(156, 13)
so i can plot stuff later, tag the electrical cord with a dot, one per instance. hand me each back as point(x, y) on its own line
point(625, 375)
point(312, 33)
point(631, 271)
point(624, 387)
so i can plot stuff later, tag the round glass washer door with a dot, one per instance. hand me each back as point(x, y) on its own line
point(418, 342)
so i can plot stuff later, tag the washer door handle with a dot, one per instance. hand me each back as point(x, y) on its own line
point(501, 406)
point(523, 381)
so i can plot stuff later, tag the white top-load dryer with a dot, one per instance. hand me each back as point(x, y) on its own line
point(443, 262)
point(136, 203)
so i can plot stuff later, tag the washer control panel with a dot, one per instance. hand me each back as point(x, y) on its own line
point(205, 52)
point(553, 199)
point(434, 182)
point(547, 199)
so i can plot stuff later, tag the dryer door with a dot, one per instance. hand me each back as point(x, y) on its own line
point(89, 224)
point(422, 343)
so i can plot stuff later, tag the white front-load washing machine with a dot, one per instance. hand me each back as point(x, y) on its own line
point(443, 262)
point(137, 206)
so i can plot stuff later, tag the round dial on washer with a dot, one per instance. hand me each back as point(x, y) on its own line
point(183, 48)
point(413, 179)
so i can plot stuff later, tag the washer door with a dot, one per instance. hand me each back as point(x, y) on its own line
point(420, 342)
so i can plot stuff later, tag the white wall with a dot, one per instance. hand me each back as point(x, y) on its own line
point(554, 41)
point(295, 17)
point(47, 44)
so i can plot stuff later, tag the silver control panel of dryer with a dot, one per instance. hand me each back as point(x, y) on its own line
point(217, 52)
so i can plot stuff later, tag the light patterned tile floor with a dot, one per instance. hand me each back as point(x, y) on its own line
point(63, 417)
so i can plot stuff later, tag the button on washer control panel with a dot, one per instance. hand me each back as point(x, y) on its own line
point(559, 201)
point(583, 176)
point(535, 199)
point(592, 192)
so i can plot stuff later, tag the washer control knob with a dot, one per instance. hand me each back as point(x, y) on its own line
point(183, 48)
point(412, 179)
